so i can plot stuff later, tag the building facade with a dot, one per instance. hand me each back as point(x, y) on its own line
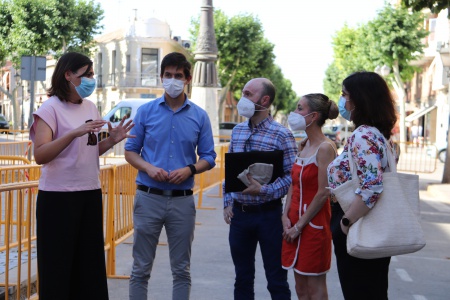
point(428, 92)
point(127, 61)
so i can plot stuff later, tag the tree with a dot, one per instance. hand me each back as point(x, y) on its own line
point(395, 36)
point(243, 53)
point(392, 38)
point(42, 27)
point(434, 6)
point(285, 99)
point(349, 56)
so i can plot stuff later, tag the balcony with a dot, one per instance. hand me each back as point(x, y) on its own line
point(129, 80)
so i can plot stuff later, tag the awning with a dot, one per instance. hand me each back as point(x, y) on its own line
point(419, 113)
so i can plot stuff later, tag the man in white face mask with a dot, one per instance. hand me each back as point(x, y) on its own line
point(171, 131)
point(254, 215)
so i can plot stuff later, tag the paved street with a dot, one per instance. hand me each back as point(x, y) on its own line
point(419, 276)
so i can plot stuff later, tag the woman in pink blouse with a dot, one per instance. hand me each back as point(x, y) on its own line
point(367, 102)
point(70, 246)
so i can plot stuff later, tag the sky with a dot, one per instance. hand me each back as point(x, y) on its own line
point(301, 30)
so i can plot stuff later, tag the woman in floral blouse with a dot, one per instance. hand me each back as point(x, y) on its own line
point(367, 102)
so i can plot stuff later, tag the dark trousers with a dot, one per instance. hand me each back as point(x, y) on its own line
point(247, 229)
point(360, 278)
point(70, 246)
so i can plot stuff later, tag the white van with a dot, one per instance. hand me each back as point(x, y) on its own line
point(126, 107)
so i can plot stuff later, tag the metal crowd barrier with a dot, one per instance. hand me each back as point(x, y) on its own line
point(417, 158)
point(18, 192)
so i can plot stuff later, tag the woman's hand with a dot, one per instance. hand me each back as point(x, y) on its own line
point(344, 228)
point(286, 223)
point(291, 234)
point(88, 127)
point(120, 132)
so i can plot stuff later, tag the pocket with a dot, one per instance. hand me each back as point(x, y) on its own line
point(137, 197)
point(315, 226)
point(320, 227)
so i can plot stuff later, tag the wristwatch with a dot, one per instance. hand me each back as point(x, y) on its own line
point(345, 222)
point(193, 169)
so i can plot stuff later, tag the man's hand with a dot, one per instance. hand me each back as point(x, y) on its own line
point(180, 175)
point(254, 188)
point(157, 174)
point(228, 214)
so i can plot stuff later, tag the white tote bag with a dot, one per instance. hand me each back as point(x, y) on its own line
point(392, 226)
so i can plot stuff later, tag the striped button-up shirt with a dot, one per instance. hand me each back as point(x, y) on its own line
point(268, 135)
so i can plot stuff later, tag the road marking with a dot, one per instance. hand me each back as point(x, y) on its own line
point(403, 275)
point(419, 297)
point(394, 259)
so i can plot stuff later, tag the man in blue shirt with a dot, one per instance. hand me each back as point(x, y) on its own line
point(254, 214)
point(167, 131)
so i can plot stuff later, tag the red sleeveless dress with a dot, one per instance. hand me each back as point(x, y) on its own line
point(310, 253)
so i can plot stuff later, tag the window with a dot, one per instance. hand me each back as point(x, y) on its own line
point(149, 67)
point(100, 70)
point(120, 113)
point(128, 63)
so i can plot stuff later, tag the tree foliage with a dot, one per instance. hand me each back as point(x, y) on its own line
point(41, 27)
point(393, 38)
point(434, 6)
point(244, 53)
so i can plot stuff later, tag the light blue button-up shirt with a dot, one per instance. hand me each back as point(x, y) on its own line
point(169, 140)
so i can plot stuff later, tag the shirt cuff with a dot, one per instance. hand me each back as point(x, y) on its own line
point(368, 196)
point(227, 201)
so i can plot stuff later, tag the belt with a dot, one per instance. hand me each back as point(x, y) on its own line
point(169, 193)
point(266, 206)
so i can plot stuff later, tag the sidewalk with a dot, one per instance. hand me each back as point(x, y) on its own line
point(212, 269)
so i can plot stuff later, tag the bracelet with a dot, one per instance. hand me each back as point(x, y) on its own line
point(296, 228)
point(193, 169)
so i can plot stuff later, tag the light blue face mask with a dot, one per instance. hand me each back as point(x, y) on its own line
point(86, 87)
point(346, 114)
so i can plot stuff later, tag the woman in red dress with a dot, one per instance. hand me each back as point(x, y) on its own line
point(307, 213)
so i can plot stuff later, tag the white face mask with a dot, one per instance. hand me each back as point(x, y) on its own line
point(297, 121)
point(173, 87)
point(246, 108)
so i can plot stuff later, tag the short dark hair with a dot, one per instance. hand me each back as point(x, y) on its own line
point(374, 105)
point(178, 60)
point(71, 61)
point(268, 90)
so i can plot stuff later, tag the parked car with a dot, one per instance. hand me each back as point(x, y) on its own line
point(299, 135)
point(332, 136)
point(126, 107)
point(4, 124)
point(439, 151)
point(339, 129)
point(225, 130)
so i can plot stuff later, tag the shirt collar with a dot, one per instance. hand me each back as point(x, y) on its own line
point(263, 124)
point(162, 100)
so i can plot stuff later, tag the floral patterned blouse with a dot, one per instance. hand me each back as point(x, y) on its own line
point(368, 149)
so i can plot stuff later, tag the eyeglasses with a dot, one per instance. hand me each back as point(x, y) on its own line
point(92, 138)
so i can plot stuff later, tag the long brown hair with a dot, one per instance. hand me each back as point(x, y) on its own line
point(374, 105)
